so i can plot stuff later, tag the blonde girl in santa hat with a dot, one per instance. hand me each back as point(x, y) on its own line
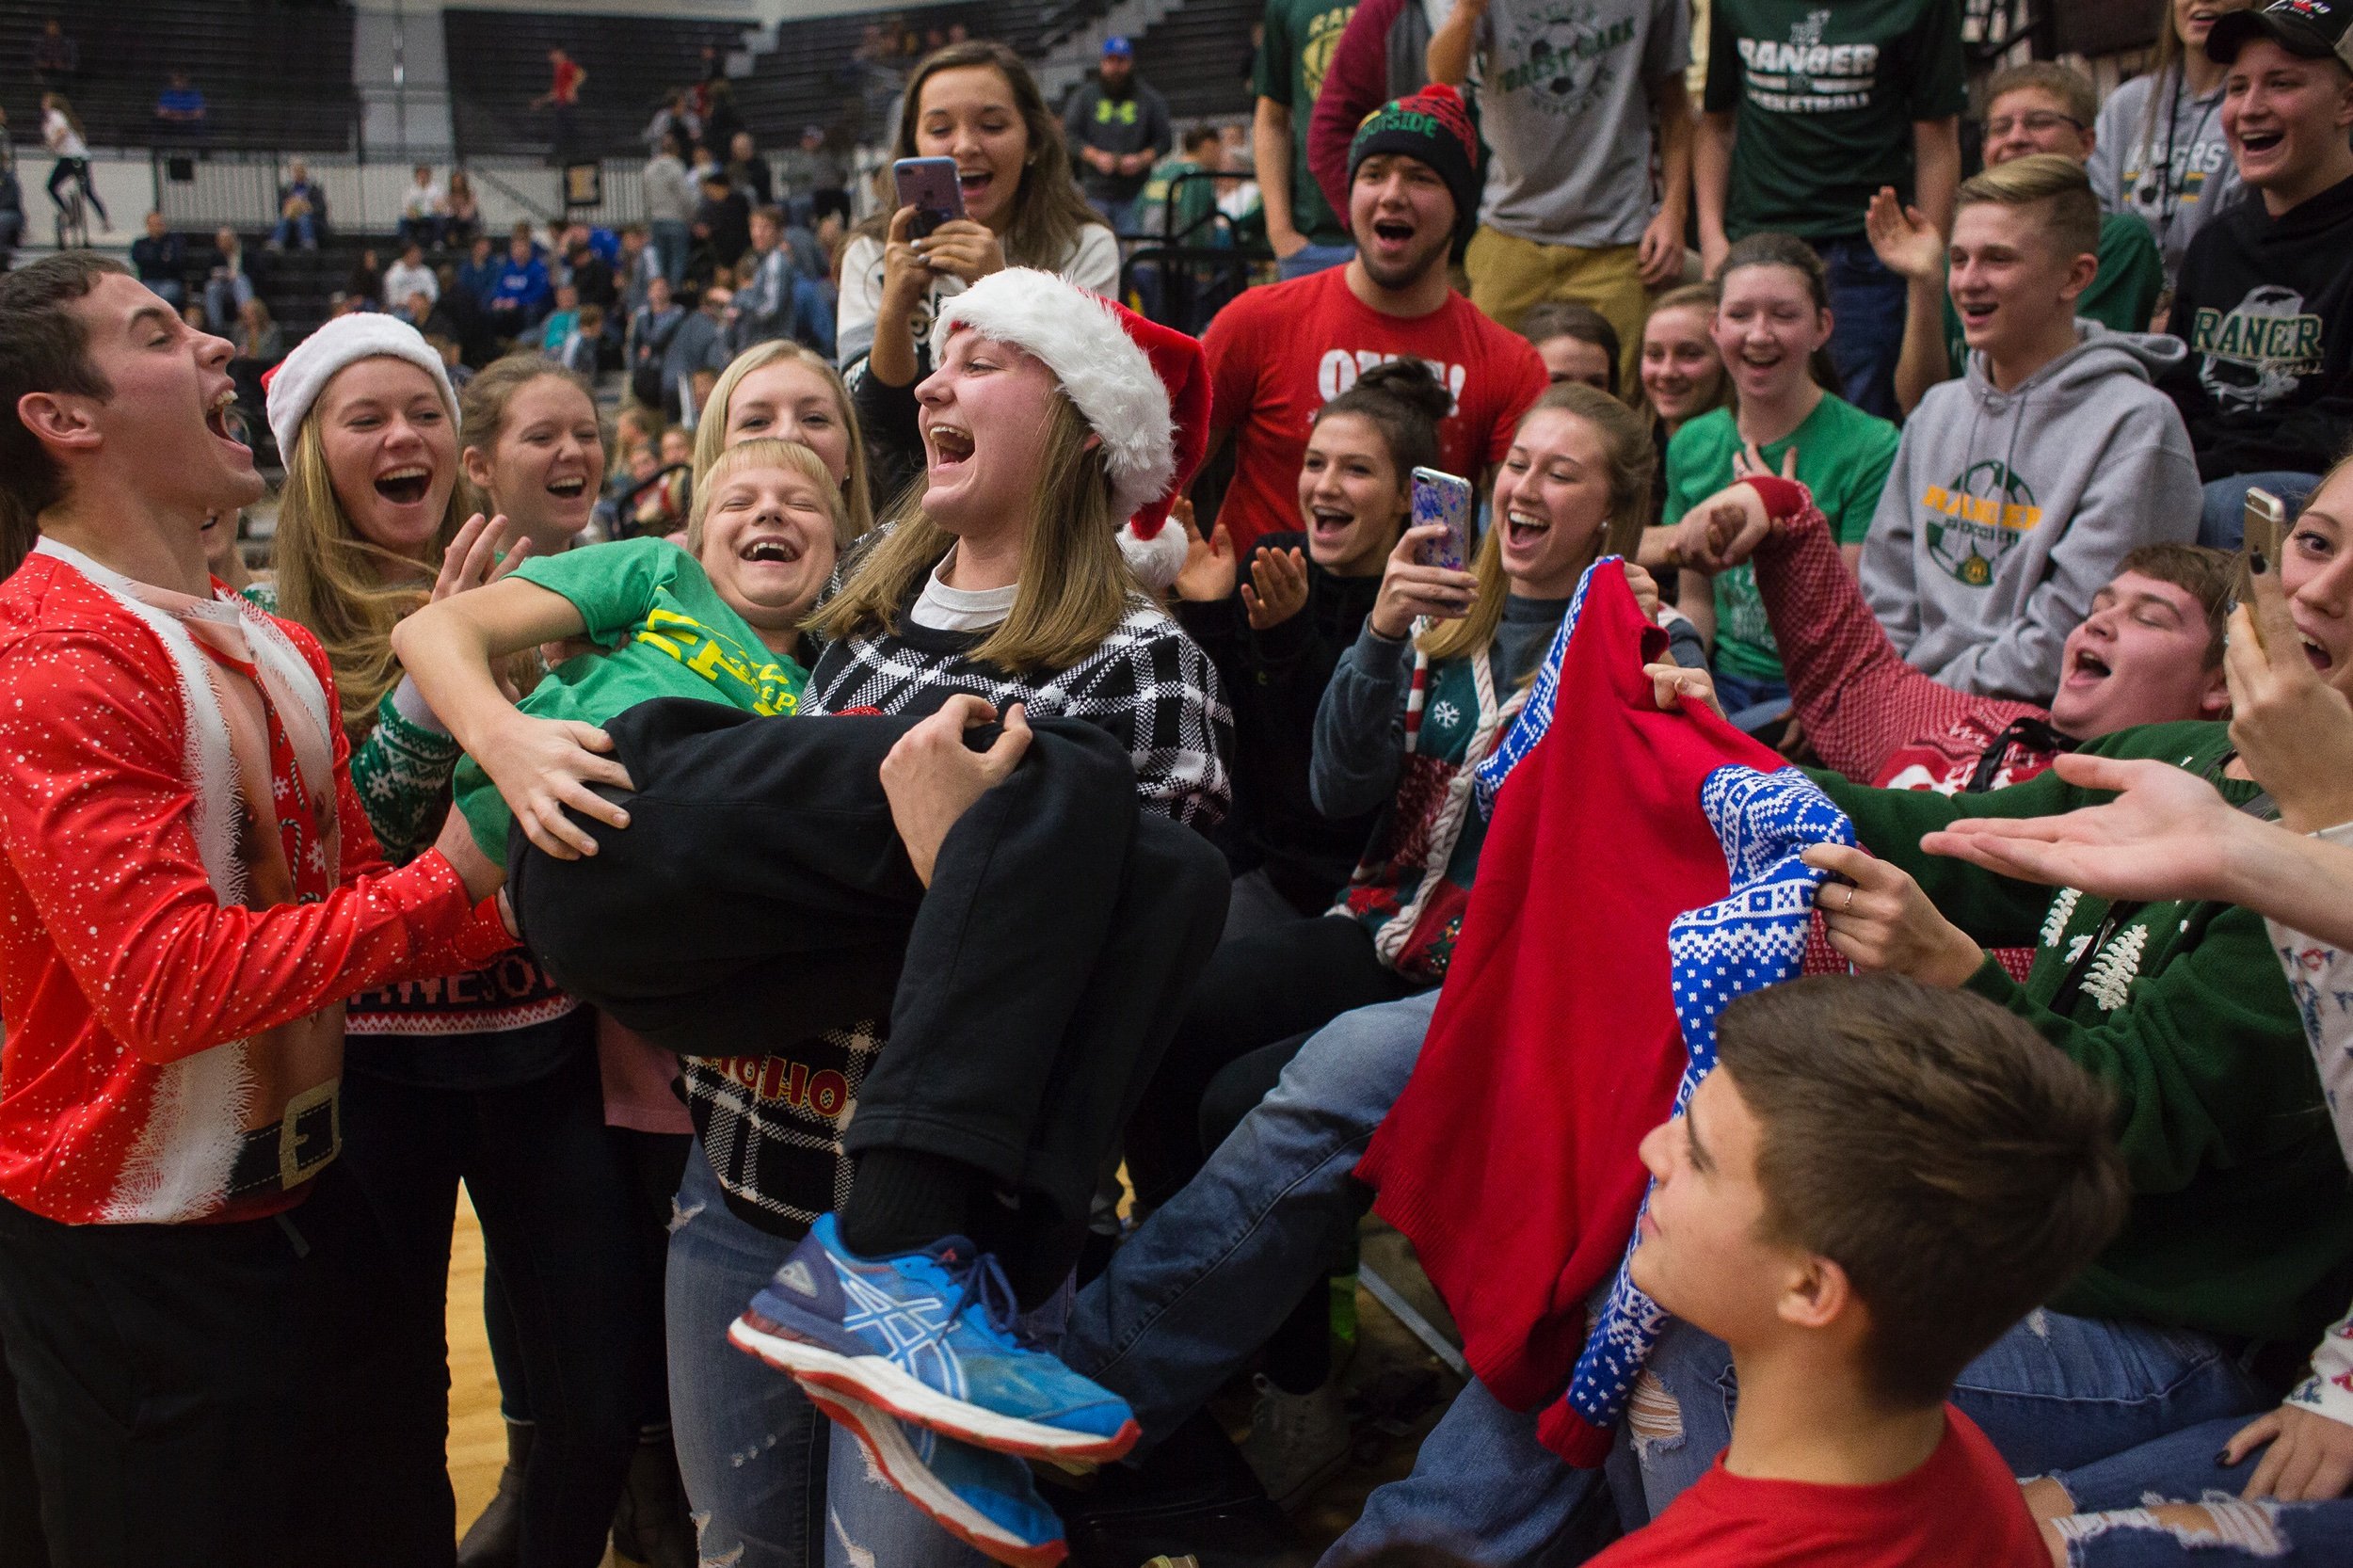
point(1056, 426)
point(491, 1077)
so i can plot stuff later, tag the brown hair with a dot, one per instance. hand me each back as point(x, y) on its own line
point(710, 432)
point(1047, 210)
point(2072, 88)
point(1075, 587)
point(765, 452)
point(1933, 1147)
point(1402, 400)
point(1566, 318)
point(1633, 467)
point(482, 409)
point(1704, 298)
point(45, 346)
point(2070, 214)
point(2208, 576)
point(1790, 251)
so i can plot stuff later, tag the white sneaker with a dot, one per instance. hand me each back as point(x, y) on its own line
point(1297, 1442)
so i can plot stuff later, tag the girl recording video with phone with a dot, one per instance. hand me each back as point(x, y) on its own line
point(977, 103)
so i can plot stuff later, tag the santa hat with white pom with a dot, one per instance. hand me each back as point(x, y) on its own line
point(1142, 388)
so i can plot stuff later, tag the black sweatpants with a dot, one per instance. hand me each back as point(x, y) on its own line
point(217, 1396)
point(761, 894)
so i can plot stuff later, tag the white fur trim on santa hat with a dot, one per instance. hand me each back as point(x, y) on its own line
point(302, 374)
point(1102, 370)
point(1156, 561)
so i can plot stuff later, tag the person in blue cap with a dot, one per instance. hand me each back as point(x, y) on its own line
point(1118, 126)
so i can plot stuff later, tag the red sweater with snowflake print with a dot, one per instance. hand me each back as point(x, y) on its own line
point(172, 1054)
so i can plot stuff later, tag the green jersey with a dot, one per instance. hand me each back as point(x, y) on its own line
point(1843, 457)
point(661, 630)
point(1823, 99)
point(1194, 202)
point(1300, 38)
point(2121, 298)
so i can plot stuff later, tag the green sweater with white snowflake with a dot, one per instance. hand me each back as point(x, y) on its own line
point(2242, 1220)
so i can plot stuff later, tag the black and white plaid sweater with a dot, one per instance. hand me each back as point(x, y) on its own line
point(772, 1125)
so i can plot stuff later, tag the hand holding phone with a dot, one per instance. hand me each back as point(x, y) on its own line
point(1444, 499)
point(931, 188)
point(2266, 522)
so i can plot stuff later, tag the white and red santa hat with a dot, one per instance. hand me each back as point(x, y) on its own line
point(1143, 388)
point(296, 382)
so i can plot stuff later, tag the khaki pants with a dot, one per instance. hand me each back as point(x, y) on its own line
point(1509, 274)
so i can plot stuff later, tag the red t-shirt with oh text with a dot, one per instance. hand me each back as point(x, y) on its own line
point(1279, 353)
point(1961, 1509)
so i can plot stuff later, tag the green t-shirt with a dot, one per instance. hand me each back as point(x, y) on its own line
point(1843, 457)
point(1300, 38)
point(1195, 202)
point(1823, 99)
point(664, 632)
point(2132, 274)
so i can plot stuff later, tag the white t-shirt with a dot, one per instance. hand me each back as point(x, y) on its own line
point(1564, 103)
point(57, 132)
point(945, 609)
point(1093, 264)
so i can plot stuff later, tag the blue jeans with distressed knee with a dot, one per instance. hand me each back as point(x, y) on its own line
point(2115, 1528)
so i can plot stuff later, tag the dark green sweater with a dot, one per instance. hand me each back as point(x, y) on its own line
point(2242, 1220)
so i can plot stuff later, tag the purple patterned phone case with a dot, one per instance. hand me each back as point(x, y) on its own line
point(1443, 498)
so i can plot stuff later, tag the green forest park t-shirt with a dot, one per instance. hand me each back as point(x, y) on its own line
point(664, 631)
point(1300, 38)
point(1843, 456)
point(1823, 97)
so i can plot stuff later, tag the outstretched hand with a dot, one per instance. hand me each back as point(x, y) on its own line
point(1277, 589)
point(931, 778)
point(2166, 835)
point(1905, 242)
point(1208, 571)
point(473, 557)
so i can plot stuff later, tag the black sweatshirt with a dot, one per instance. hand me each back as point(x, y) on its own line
point(2266, 305)
point(1274, 681)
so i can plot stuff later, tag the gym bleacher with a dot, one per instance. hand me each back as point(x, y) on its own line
point(1197, 55)
point(812, 78)
point(498, 63)
point(275, 74)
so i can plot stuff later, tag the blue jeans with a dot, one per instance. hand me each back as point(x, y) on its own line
point(671, 240)
point(2222, 521)
point(2183, 1467)
point(2053, 1393)
point(755, 1455)
point(1749, 703)
point(303, 231)
point(1867, 303)
point(1214, 1273)
point(1313, 258)
point(1121, 215)
point(224, 297)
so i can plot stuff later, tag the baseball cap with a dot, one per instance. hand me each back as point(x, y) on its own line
point(1118, 45)
point(2312, 29)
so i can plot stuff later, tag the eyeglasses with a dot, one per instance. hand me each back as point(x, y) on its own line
point(2033, 124)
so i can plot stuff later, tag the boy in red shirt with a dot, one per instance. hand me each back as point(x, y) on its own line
point(1876, 1181)
point(1277, 354)
point(193, 1297)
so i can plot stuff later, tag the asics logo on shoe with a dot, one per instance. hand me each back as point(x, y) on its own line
point(911, 1328)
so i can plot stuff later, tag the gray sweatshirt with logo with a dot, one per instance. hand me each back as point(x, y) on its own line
point(2006, 511)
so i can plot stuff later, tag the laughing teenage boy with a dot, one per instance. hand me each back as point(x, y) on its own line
point(1278, 354)
point(193, 1295)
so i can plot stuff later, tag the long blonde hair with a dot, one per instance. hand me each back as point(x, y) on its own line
point(1075, 587)
point(1633, 469)
point(333, 581)
point(711, 433)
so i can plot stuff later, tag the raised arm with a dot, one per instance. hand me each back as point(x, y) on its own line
point(1449, 56)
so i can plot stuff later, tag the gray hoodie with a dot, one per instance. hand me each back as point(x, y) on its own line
point(2004, 512)
point(2161, 153)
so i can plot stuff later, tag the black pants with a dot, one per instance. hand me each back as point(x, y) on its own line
point(21, 1540)
point(555, 1205)
point(761, 894)
point(1274, 985)
point(225, 1394)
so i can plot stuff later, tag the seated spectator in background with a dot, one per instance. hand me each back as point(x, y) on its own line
point(723, 223)
point(2150, 652)
point(2038, 108)
point(647, 343)
point(779, 301)
point(411, 274)
point(698, 347)
point(1183, 212)
point(1575, 342)
point(2161, 151)
point(1277, 354)
point(813, 177)
point(587, 270)
point(578, 351)
point(636, 268)
point(180, 107)
point(1683, 376)
point(478, 274)
point(423, 206)
point(55, 56)
point(193, 314)
point(1567, 213)
point(258, 337)
point(1845, 1120)
point(1805, 162)
point(749, 172)
point(2267, 286)
point(461, 218)
point(160, 257)
point(561, 322)
point(519, 291)
point(301, 209)
point(2020, 488)
point(1117, 127)
point(229, 284)
point(421, 311)
point(364, 283)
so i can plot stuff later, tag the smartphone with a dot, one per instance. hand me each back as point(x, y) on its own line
point(2266, 520)
point(931, 188)
point(1443, 498)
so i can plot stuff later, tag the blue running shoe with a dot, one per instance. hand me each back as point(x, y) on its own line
point(986, 1500)
point(928, 1336)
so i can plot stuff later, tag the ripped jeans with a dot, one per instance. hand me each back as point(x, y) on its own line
point(2115, 1527)
point(2053, 1393)
point(770, 1483)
